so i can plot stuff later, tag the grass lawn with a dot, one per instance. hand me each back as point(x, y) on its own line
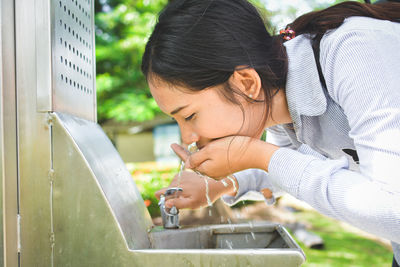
point(342, 247)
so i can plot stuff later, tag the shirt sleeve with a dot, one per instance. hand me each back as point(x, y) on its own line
point(276, 135)
point(251, 181)
point(362, 70)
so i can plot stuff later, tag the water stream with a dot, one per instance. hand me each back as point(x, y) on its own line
point(233, 182)
point(252, 233)
point(228, 243)
point(182, 167)
point(193, 148)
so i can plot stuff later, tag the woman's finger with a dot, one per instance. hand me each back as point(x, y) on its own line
point(160, 192)
point(195, 159)
point(179, 203)
point(206, 168)
point(180, 151)
point(266, 192)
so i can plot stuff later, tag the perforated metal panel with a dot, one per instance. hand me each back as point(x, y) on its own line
point(73, 60)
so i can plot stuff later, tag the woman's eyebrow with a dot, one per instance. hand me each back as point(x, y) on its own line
point(177, 110)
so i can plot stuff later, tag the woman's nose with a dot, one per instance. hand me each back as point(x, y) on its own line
point(188, 137)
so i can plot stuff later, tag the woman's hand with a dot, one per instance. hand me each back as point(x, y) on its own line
point(228, 155)
point(193, 195)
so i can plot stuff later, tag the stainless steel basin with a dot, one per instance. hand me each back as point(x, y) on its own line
point(261, 235)
point(261, 244)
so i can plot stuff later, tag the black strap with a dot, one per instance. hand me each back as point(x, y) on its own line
point(395, 264)
point(315, 45)
point(352, 153)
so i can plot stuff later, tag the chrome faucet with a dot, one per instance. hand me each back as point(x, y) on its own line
point(170, 218)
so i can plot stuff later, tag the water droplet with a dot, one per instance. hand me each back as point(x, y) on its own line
point(192, 148)
point(180, 173)
point(233, 182)
point(251, 225)
point(229, 244)
point(253, 235)
point(237, 214)
point(230, 225)
point(245, 207)
point(207, 192)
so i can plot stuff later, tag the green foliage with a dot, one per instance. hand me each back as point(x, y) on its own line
point(122, 30)
point(149, 178)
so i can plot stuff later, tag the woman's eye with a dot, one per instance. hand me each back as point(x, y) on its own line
point(190, 117)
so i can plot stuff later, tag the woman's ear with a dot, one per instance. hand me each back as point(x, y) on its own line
point(247, 81)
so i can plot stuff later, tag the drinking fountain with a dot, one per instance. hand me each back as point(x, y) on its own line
point(67, 197)
point(170, 218)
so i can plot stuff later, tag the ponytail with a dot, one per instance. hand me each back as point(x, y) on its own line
point(319, 22)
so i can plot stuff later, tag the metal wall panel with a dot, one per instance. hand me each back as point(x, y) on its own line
point(8, 138)
point(66, 57)
point(43, 66)
point(43, 43)
point(73, 58)
point(1, 143)
point(34, 138)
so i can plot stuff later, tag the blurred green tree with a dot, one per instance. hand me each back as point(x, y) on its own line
point(122, 29)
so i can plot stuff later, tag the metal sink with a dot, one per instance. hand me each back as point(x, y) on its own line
point(261, 244)
point(261, 235)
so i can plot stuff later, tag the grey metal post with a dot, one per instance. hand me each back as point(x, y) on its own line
point(8, 138)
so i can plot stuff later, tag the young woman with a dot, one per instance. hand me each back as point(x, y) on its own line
point(329, 99)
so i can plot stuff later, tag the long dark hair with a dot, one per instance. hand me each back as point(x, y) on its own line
point(200, 43)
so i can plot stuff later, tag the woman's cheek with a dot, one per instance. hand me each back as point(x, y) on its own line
point(209, 130)
point(214, 127)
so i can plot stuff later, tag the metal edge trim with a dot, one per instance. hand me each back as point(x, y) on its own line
point(59, 122)
point(289, 239)
point(94, 62)
point(43, 42)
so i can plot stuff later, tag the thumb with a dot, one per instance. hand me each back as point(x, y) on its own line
point(160, 192)
point(179, 203)
point(180, 151)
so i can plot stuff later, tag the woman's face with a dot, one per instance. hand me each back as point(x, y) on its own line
point(206, 115)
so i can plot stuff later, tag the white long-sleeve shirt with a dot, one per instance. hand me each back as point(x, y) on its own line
point(359, 110)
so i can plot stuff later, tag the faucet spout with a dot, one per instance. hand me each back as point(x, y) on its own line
point(170, 218)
